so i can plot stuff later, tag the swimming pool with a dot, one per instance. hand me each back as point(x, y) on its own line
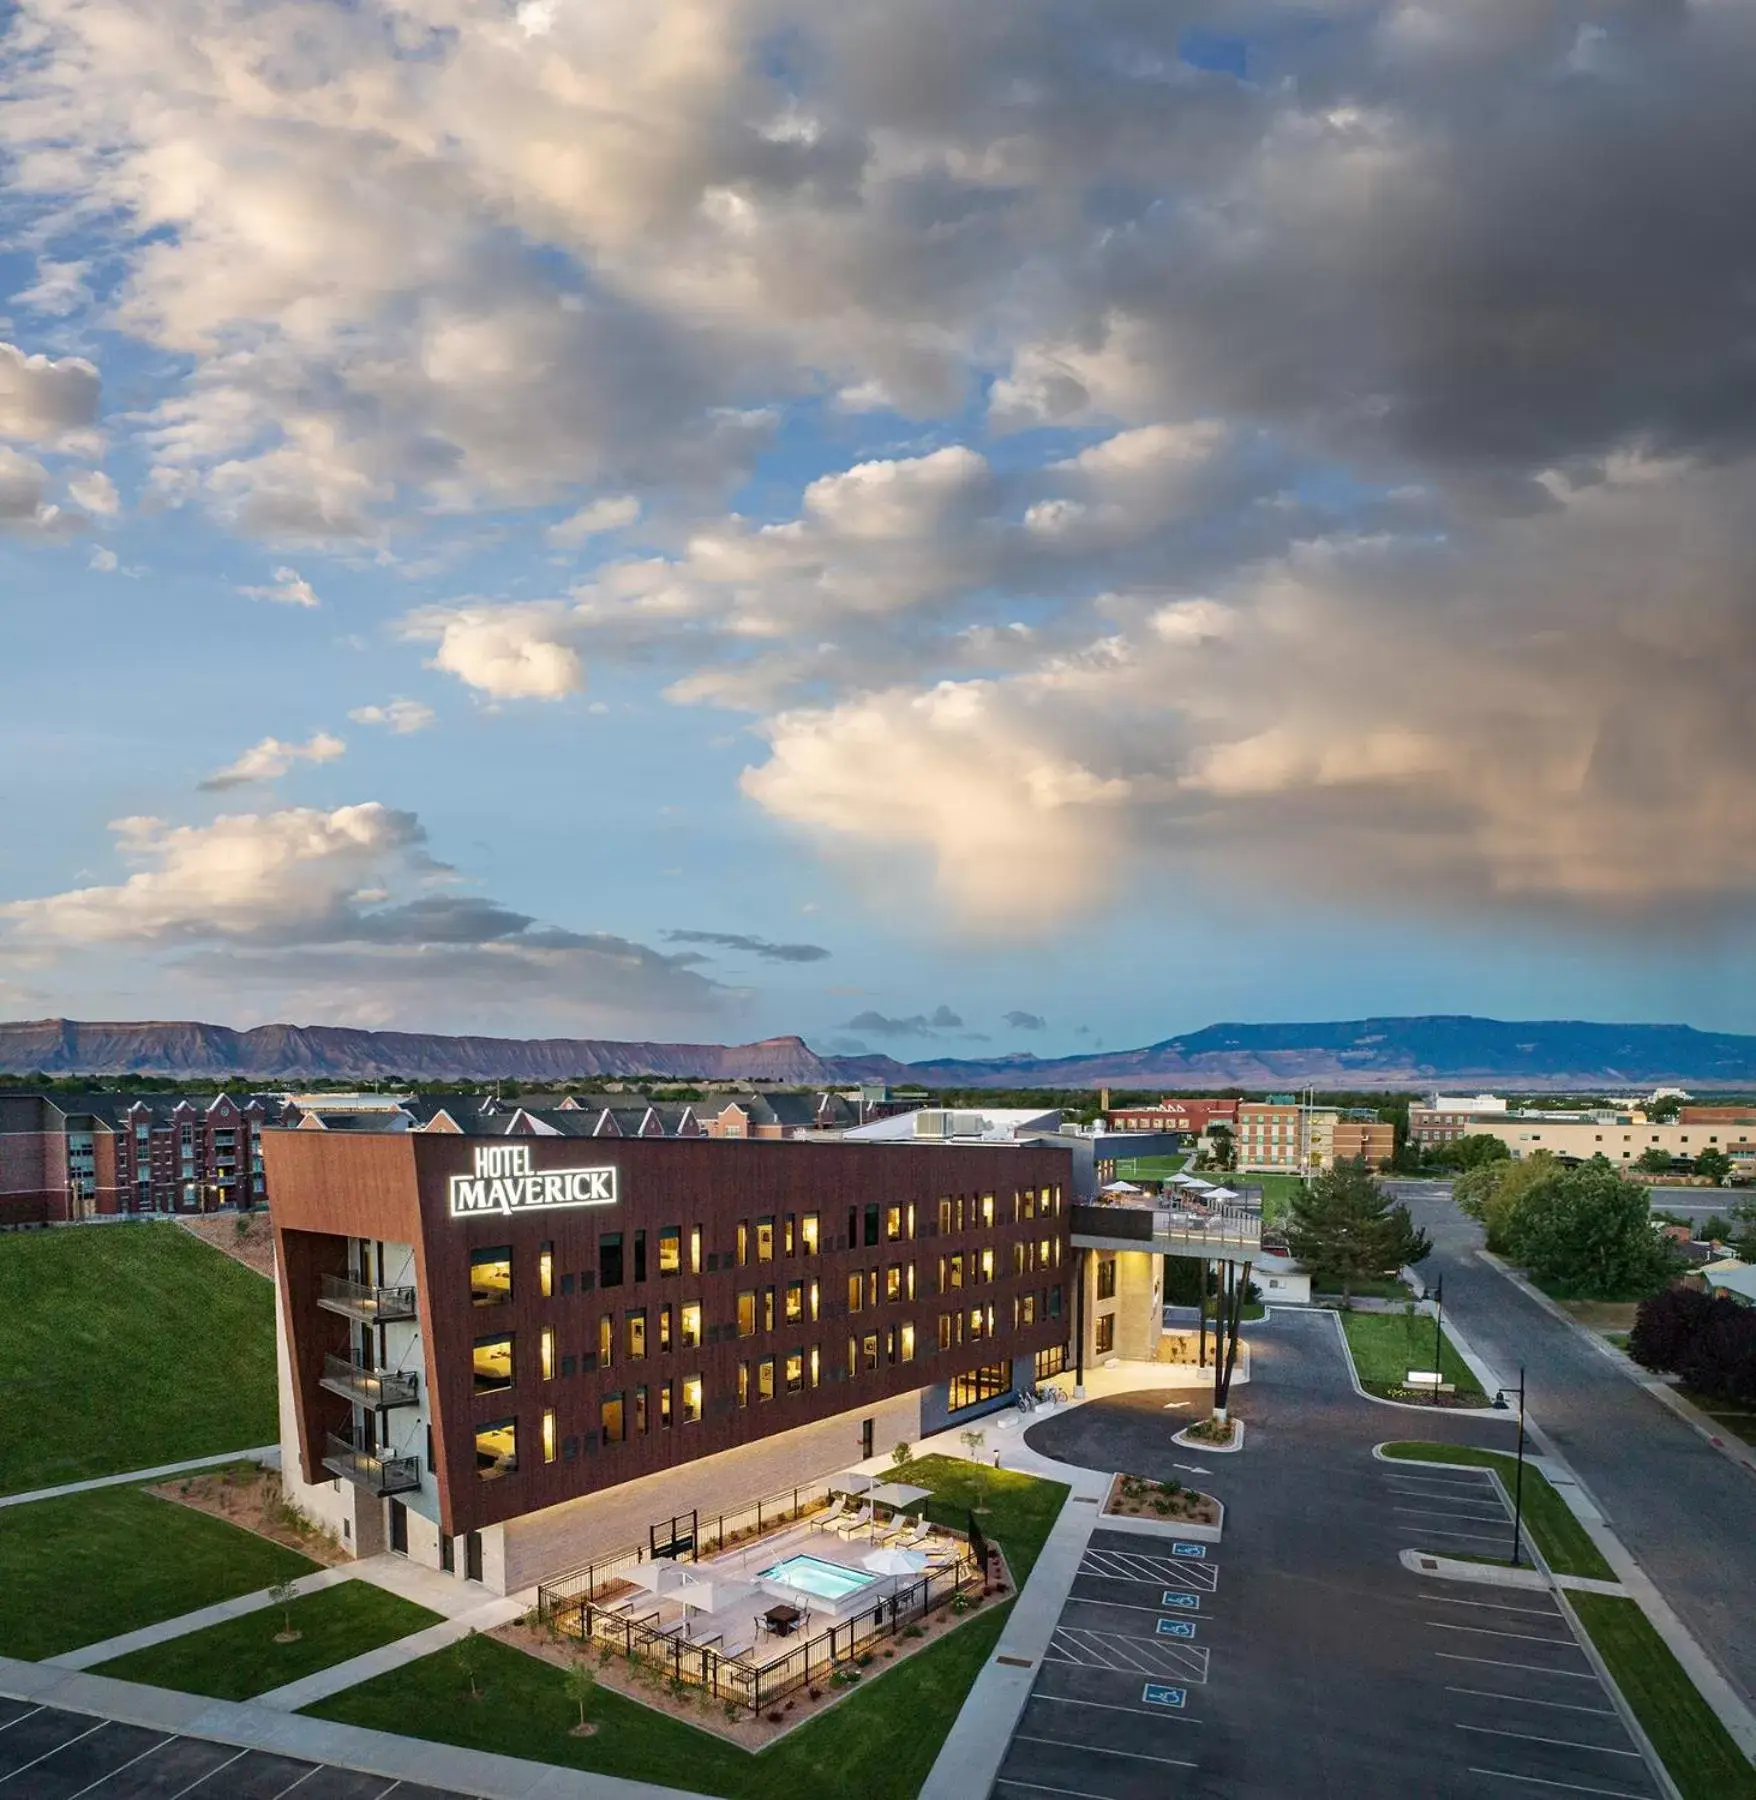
point(812, 1575)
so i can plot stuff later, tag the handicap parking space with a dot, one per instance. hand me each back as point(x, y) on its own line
point(47, 1753)
point(1117, 1710)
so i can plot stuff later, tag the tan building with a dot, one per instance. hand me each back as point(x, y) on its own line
point(1368, 1140)
point(1622, 1138)
point(1285, 1137)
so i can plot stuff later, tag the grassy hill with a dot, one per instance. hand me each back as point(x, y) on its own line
point(124, 1347)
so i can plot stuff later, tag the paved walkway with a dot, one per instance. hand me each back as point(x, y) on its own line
point(344, 1675)
point(263, 1453)
point(253, 1726)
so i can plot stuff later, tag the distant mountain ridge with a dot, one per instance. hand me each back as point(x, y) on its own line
point(1428, 1051)
point(1432, 1051)
point(281, 1053)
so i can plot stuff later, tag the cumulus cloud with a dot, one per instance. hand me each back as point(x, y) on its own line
point(270, 759)
point(95, 492)
point(1026, 1021)
point(751, 946)
point(942, 1018)
point(289, 588)
point(42, 399)
point(402, 717)
point(613, 513)
point(505, 652)
point(347, 914)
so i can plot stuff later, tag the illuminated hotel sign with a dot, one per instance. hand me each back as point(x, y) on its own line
point(504, 1182)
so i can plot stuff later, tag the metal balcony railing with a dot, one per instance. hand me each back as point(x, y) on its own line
point(1225, 1234)
point(380, 1475)
point(370, 1305)
point(378, 1388)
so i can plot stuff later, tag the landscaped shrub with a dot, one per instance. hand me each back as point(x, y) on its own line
point(1709, 1340)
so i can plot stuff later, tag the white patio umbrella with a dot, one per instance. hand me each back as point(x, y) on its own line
point(897, 1493)
point(662, 1576)
point(894, 1562)
point(711, 1593)
point(851, 1481)
point(1120, 1187)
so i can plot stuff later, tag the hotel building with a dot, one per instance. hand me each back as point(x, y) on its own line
point(503, 1355)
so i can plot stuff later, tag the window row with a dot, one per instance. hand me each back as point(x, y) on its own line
point(646, 1330)
point(632, 1413)
point(620, 1258)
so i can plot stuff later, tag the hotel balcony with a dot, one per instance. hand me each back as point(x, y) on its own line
point(1223, 1235)
point(377, 1388)
point(380, 1475)
point(369, 1305)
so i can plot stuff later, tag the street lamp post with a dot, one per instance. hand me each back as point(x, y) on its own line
point(1438, 1338)
point(1518, 1480)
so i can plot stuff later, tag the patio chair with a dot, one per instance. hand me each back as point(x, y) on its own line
point(917, 1534)
point(858, 1522)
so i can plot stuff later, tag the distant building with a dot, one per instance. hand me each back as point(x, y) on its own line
point(1364, 1137)
point(76, 1156)
point(1171, 1114)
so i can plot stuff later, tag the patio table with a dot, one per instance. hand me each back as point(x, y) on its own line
point(782, 1619)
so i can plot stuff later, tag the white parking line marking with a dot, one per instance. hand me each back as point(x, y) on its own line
point(1036, 1787)
point(1140, 1712)
point(1527, 1737)
point(300, 1780)
point(199, 1779)
point(1541, 1612)
point(1445, 1512)
point(1115, 1605)
point(1571, 1787)
point(129, 1764)
point(1155, 1571)
point(1469, 1537)
point(1597, 1712)
point(1170, 1762)
point(28, 1713)
point(1528, 1668)
point(80, 1739)
point(1141, 1656)
point(1523, 1637)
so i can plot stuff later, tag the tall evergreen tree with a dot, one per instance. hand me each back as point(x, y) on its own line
point(1344, 1227)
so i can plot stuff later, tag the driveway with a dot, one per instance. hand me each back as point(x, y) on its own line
point(1298, 1657)
point(1686, 1514)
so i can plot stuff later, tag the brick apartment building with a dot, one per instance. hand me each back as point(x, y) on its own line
point(1172, 1114)
point(74, 1156)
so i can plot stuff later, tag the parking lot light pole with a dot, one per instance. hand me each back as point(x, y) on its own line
point(1518, 1480)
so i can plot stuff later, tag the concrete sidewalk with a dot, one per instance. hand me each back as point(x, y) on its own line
point(252, 1726)
point(90, 1655)
point(268, 1454)
point(357, 1669)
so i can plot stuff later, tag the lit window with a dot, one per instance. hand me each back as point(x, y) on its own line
point(795, 1309)
point(816, 1365)
point(768, 1309)
point(610, 1421)
point(548, 1356)
point(747, 1313)
point(892, 1224)
point(893, 1282)
point(808, 1234)
point(743, 1384)
point(695, 1250)
point(813, 1299)
point(856, 1293)
point(549, 1435)
point(640, 1412)
point(765, 1239)
point(670, 1250)
point(497, 1450)
point(789, 1234)
point(690, 1335)
point(664, 1329)
point(492, 1362)
point(869, 1351)
point(908, 1345)
point(987, 1209)
point(546, 1275)
point(988, 1263)
point(637, 1335)
point(691, 1399)
point(743, 1242)
point(606, 1334)
point(795, 1372)
point(490, 1276)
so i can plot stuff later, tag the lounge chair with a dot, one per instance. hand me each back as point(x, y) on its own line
point(917, 1534)
point(858, 1522)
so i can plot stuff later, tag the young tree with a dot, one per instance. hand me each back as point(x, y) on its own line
point(581, 1685)
point(1223, 1147)
point(902, 1455)
point(1654, 1161)
point(283, 1594)
point(466, 1653)
point(1344, 1227)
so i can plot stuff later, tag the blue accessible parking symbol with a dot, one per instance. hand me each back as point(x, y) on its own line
point(1198, 1551)
point(1183, 1628)
point(1188, 1602)
point(1155, 1695)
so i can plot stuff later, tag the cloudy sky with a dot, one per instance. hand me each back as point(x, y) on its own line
point(1008, 525)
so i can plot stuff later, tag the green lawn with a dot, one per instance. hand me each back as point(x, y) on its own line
point(1386, 1346)
point(240, 1659)
point(1560, 1536)
point(92, 1566)
point(1379, 1287)
point(128, 1346)
point(1703, 1760)
point(1736, 1421)
point(1149, 1168)
point(1277, 1193)
point(879, 1743)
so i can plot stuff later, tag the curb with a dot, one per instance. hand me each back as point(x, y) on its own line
point(1661, 1391)
point(1202, 1446)
point(1476, 1367)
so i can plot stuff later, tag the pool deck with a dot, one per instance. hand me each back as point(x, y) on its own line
point(736, 1625)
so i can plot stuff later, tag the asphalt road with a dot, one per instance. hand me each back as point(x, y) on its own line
point(1298, 1659)
point(1685, 1513)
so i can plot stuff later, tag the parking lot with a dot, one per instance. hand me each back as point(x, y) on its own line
point(50, 1754)
point(1299, 1657)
